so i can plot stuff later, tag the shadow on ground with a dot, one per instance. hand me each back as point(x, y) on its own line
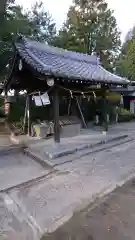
point(110, 218)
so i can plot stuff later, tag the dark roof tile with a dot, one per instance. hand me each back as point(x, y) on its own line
point(61, 63)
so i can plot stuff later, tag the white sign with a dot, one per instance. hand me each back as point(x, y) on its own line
point(38, 101)
point(45, 99)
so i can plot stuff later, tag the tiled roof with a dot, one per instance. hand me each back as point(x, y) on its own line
point(66, 64)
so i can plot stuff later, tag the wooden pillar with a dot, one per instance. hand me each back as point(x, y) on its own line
point(56, 115)
point(29, 105)
point(105, 122)
point(117, 115)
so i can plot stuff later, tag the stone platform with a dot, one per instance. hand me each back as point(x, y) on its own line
point(48, 151)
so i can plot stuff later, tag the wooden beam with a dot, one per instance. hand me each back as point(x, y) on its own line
point(56, 115)
point(29, 105)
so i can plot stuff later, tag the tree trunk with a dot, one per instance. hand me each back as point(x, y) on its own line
point(2, 6)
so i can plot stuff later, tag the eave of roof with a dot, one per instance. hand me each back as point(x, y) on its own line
point(57, 62)
point(121, 90)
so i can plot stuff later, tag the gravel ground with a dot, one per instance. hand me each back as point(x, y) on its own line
point(53, 202)
point(18, 168)
point(112, 218)
point(32, 210)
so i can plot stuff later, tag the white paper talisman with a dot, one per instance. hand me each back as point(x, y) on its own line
point(38, 101)
point(45, 99)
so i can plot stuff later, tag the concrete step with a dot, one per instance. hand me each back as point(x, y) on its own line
point(41, 157)
point(85, 152)
point(106, 146)
point(61, 150)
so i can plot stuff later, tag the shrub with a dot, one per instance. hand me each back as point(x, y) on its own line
point(125, 115)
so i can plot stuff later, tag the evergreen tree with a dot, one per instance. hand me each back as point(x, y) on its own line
point(90, 28)
point(42, 26)
point(36, 24)
point(125, 64)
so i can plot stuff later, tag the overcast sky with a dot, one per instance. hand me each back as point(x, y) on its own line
point(124, 11)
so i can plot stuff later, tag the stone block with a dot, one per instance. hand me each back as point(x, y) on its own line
point(70, 130)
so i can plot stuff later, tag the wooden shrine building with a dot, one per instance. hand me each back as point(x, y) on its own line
point(40, 67)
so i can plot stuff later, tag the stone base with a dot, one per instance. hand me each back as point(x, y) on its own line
point(55, 150)
point(70, 130)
